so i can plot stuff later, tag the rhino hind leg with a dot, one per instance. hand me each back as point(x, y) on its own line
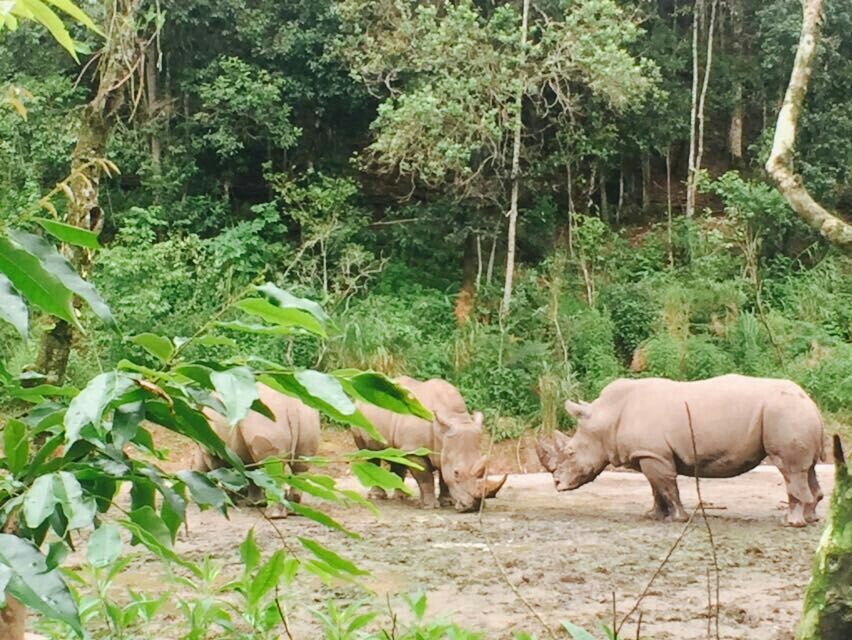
point(663, 479)
point(816, 492)
point(294, 495)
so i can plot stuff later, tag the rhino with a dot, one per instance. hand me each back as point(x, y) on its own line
point(293, 434)
point(737, 421)
point(453, 437)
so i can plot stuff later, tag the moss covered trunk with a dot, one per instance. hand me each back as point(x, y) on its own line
point(828, 600)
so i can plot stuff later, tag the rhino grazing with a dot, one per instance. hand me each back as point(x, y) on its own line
point(294, 433)
point(453, 437)
point(737, 421)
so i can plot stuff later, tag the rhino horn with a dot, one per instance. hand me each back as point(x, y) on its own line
point(546, 454)
point(478, 469)
point(493, 486)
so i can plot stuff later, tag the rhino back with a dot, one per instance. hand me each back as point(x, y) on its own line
point(734, 418)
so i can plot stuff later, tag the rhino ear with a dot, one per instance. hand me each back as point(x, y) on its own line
point(546, 454)
point(579, 410)
point(561, 440)
point(442, 421)
point(478, 419)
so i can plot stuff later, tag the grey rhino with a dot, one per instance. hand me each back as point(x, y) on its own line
point(453, 437)
point(294, 433)
point(737, 421)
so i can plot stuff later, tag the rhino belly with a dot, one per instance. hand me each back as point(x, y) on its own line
point(720, 466)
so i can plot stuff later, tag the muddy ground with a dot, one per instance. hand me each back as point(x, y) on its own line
point(566, 554)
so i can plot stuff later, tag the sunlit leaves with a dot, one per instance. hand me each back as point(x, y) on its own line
point(89, 405)
point(39, 11)
point(104, 546)
point(69, 234)
point(12, 307)
point(371, 475)
point(31, 582)
point(237, 390)
point(158, 346)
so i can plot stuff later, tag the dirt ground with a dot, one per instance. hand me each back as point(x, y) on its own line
point(565, 553)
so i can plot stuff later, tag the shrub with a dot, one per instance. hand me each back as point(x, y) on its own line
point(633, 312)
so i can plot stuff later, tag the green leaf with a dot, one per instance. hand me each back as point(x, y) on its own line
point(249, 553)
point(34, 585)
point(39, 501)
point(331, 558)
point(16, 445)
point(237, 390)
point(322, 392)
point(158, 346)
point(577, 633)
point(259, 329)
point(371, 475)
point(286, 300)
point(69, 494)
point(148, 520)
point(104, 545)
point(283, 317)
point(69, 234)
point(79, 15)
point(27, 275)
point(12, 307)
point(37, 393)
point(320, 517)
point(215, 341)
point(59, 268)
point(204, 492)
point(89, 405)
point(43, 14)
point(266, 579)
point(381, 391)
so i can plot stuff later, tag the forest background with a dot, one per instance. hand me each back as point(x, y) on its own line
point(499, 199)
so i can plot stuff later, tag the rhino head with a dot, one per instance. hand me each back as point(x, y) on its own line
point(572, 461)
point(463, 468)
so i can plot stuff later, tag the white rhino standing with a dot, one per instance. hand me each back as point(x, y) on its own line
point(294, 433)
point(737, 422)
point(454, 438)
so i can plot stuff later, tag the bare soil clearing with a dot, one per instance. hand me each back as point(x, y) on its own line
point(567, 553)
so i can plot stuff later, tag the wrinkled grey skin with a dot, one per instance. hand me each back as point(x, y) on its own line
point(294, 433)
point(737, 421)
point(454, 437)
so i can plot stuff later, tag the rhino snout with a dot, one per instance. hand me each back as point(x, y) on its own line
point(467, 507)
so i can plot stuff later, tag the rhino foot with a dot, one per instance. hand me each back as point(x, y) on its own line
point(797, 522)
point(276, 512)
point(429, 504)
point(377, 493)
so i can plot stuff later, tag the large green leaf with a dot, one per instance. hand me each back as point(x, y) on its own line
point(381, 391)
point(158, 346)
point(37, 10)
point(323, 392)
point(59, 268)
point(104, 545)
point(286, 300)
point(68, 493)
point(237, 390)
point(282, 316)
point(12, 307)
point(204, 492)
point(16, 445)
point(577, 633)
point(259, 329)
point(75, 12)
point(39, 501)
point(151, 523)
point(330, 558)
point(30, 278)
point(34, 585)
point(69, 234)
point(266, 578)
point(371, 475)
point(89, 405)
point(249, 552)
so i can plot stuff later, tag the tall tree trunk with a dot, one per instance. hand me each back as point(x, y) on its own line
point(735, 132)
point(828, 600)
point(118, 61)
point(693, 114)
point(695, 165)
point(570, 180)
point(151, 69)
point(467, 293)
point(780, 163)
point(604, 199)
point(646, 180)
point(669, 204)
point(489, 272)
point(516, 168)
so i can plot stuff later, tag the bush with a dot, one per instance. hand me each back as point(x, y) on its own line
point(591, 345)
point(633, 312)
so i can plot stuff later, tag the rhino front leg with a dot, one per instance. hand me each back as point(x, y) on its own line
point(444, 498)
point(425, 482)
point(663, 479)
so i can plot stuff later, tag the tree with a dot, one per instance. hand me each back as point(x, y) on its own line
point(779, 166)
point(456, 81)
